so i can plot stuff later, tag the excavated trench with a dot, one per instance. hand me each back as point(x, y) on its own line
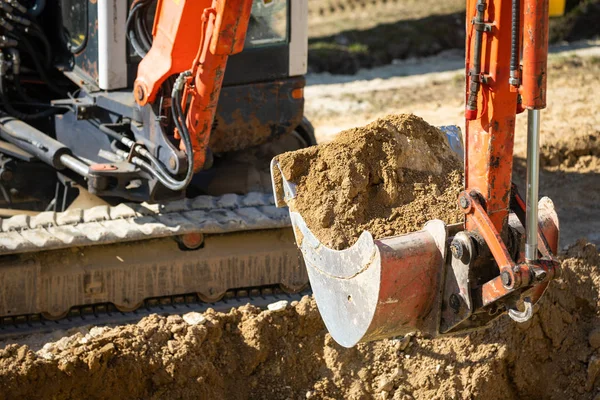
point(286, 353)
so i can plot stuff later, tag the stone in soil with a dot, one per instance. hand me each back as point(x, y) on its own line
point(253, 354)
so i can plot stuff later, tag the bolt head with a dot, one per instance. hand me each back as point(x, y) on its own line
point(463, 202)
point(139, 92)
point(506, 279)
point(457, 249)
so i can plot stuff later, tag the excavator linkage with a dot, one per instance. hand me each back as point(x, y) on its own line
point(451, 279)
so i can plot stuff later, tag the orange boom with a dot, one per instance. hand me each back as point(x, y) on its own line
point(448, 279)
point(194, 37)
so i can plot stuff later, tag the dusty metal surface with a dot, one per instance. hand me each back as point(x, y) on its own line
point(126, 274)
point(129, 221)
point(249, 115)
point(376, 289)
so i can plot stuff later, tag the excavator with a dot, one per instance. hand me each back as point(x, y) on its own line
point(135, 141)
point(135, 147)
point(449, 279)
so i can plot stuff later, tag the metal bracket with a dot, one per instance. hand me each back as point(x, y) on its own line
point(482, 26)
point(457, 304)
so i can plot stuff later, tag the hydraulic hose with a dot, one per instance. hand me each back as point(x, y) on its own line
point(157, 169)
point(162, 174)
point(137, 29)
point(179, 117)
point(6, 104)
point(514, 44)
point(471, 112)
point(38, 65)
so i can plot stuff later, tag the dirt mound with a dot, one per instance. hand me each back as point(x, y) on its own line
point(580, 152)
point(253, 354)
point(389, 177)
point(348, 51)
point(344, 41)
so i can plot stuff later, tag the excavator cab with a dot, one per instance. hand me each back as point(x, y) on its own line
point(103, 47)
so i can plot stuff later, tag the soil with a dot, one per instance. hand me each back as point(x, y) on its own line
point(287, 354)
point(389, 178)
point(253, 354)
point(433, 88)
point(580, 153)
point(343, 41)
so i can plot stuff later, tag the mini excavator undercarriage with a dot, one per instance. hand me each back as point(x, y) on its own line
point(135, 141)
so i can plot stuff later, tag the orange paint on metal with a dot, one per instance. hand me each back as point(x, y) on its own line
point(177, 32)
point(103, 167)
point(298, 93)
point(484, 226)
point(548, 223)
point(535, 54)
point(490, 137)
point(411, 267)
point(192, 240)
point(225, 35)
point(199, 36)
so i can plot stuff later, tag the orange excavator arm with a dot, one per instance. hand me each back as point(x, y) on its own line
point(193, 38)
point(448, 279)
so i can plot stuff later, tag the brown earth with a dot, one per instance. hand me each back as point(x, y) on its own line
point(580, 153)
point(287, 354)
point(389, 177)
point(570, 139)
point(347, 35)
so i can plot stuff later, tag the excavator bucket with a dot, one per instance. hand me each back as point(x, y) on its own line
point(393, 286)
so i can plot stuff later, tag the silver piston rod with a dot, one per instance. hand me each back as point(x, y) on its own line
point(533, 177)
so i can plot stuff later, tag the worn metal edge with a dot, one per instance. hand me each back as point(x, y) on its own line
point(130, 222)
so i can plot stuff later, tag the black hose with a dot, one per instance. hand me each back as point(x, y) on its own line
point(24, 116)
point(178, 113)
point(133, 40)
point(142, 29)
point(159, 171)
point(138, 33)
point(38, 65)
point(145, 31)
point(516, 24)
point(476, 70)
point(6, 104)
point(21, 91)
point(37, 32)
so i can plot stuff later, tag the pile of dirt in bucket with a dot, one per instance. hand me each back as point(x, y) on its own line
point(389, 177)
point(286, 353)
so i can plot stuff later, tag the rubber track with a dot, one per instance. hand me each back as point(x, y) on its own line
point(130, 221)
point(107, 314)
